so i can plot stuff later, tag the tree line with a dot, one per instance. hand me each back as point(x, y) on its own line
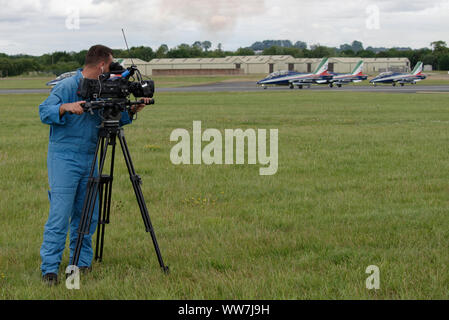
point(61, 61)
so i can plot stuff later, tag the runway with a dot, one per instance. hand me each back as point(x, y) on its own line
point(252, 87)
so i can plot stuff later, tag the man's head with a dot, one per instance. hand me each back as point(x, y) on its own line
point(98, 59)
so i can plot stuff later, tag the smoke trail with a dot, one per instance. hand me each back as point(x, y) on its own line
point(215, 16)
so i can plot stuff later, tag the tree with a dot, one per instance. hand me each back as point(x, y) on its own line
point(244, 52)
point(357, 46)
point(443, 62)
point(197, 44)
point(429, 59)
point(300, 45)
point(273, 51)
point(345, 47)
point(206, 45)
point(348, 53)
point(142, 53)
point(439, 46)
point(366, 54)
point(161, 52)
point(319, 51)
point(256, 46)
point(439, 50)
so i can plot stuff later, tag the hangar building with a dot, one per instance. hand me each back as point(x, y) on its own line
point(258, 64)
point(231, 65)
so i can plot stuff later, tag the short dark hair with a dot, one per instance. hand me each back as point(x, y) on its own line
point(97, 54)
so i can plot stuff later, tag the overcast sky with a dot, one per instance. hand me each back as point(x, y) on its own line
point(43, 26)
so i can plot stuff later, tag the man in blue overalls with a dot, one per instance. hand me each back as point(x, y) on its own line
point(71, 149)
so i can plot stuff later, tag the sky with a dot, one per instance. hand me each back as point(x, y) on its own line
point(43, 26)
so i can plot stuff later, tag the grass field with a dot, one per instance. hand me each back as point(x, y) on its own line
point(362, 180)
point(161, 81)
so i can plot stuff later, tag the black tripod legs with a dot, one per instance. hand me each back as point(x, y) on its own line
point(136, 182)
point(93, 187)
point(105, 191)
point(101, 187)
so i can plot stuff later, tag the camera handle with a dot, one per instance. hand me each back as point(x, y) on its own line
point(93, 105)
point(133, 115)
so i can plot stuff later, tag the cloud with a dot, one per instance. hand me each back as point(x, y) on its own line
point(215, 16)
point(39, 26)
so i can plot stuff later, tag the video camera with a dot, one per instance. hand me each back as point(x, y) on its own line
point(110, 92)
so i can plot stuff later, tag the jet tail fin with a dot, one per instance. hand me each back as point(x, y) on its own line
point(322, 67)
point(418, 69)
point(358, 69)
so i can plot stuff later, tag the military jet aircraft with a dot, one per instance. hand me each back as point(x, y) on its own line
point(54, 82)
point(401, 78)
point(344, 78)
point(292, 79)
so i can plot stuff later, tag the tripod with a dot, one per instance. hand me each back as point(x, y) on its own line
point(101, 185)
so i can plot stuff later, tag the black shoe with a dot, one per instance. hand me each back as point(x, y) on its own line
point(50, 278)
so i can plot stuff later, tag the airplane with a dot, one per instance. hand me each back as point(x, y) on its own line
point(401, 78)
point(54, 82)
point(345, 78)
point(292, 78)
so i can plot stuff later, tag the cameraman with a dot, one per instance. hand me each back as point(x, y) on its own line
point(71, 149)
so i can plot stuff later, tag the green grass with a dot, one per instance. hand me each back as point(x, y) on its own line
point(183, 81)
point(24, 83)
point(161, 81)
point(362, 180)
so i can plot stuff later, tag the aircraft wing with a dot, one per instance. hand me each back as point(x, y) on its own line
point(411, 80)
point(405, 80)
point(347, 80)
point(305, 81)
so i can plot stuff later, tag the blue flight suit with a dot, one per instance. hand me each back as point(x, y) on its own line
point(71, 151)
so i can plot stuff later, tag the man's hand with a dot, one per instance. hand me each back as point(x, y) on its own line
point(74, 107)
point(139, 107)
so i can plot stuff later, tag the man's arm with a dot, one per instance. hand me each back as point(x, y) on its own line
point(49, 110)
point(74, 107)
point(52, 110)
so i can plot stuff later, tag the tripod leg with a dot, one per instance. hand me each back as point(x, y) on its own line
point(91, 197)
point(100, 209)
point(136, 181)
point(105, 204)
